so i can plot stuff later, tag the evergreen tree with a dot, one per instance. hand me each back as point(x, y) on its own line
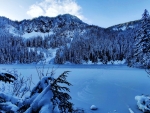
point(142, 42)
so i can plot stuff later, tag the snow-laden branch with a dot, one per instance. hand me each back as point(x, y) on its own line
point(6, 77)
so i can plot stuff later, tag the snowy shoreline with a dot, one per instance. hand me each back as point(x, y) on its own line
point(93, 66)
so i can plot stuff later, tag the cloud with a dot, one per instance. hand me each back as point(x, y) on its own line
point(35, 11)
point(53, 8)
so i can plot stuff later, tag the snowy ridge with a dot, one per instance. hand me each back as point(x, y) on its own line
point(40, 25)
point(53, 25)
point(125, 26)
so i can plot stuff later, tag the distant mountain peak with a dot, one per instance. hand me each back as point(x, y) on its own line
point(41, 24)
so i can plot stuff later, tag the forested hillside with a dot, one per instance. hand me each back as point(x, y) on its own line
point(32, 41)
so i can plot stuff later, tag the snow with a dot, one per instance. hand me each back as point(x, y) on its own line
point(10, 101)
point(130, 110)
point(118, 62)
point(119, 28)
point(115, 29)
point(93, 107)
point(13, 30)
point(42, 101)
point(35, 34)
point(9, 105)
point(112, 88)
point(143, 103)
point(53, 53)
point(123, 28)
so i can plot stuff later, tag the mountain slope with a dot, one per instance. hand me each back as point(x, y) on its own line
point(71, 39)
point(41, 24)
point(125, 26)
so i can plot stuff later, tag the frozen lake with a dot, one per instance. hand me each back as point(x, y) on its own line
point(112, 88)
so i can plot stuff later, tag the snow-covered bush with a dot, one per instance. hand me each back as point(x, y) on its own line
point(50, 95)
point(18, 85)
point(11, 93)
point(9, 103)
point(143, 103)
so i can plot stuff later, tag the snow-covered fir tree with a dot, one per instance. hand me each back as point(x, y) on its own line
point(142, 42)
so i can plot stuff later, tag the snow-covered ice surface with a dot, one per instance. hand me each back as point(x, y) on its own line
point(111, 88)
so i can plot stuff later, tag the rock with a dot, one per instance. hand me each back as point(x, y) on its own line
point(93, 107)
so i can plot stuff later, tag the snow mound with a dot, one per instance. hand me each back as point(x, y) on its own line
point(143, 103)
point(93, 107)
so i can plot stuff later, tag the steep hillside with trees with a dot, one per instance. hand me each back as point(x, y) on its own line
point(74, 41)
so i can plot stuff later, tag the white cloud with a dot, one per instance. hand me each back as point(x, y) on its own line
point(53, 8)
point(35, 11)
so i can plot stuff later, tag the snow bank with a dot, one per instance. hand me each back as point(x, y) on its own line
point(143, 103)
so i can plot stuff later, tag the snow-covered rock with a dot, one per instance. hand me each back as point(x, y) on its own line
point(93, 107)
point(143, 103)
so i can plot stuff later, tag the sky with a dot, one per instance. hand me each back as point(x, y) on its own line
point(104, 13)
